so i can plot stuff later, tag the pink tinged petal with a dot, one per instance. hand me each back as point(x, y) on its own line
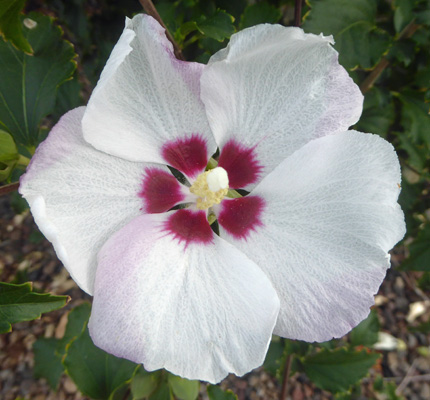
point(80, 196)
point(187, 226)
point(241, 164)
point(188, 155)
point(160, 190)
point(273, 89)
point(145, 97)
point(330, 218)
point(239, 217)
point(198, 311)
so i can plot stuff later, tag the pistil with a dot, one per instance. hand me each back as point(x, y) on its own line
point(210, 187)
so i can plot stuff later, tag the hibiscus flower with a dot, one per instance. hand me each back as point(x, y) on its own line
point(303, 210)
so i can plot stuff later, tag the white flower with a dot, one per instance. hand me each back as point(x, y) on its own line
point(301, 256)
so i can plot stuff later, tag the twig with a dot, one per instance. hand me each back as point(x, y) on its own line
point(298, 12)
point(368, 83)
point(406, 379)
point(150, 9)
point(9, 188)
point(285, 377)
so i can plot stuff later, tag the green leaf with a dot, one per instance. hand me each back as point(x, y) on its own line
point(274, 355)
point(378, 112)
point(216, 393)
point(49, 352)
point(8, 155)
point(18, 303)
point(337, 370)
point(403, 14)
point(366, 333)
point(28, 84)
point(144, 383)
point(219, 26)
point(352, 23)
point(259, 13)
point(47, 362)
point(415, 116)
point(96, 373)
point(419, 252)
point(182, 388)
point(163, 392)
point(11, 24)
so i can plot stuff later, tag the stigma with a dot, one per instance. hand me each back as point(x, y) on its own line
point(210, 187)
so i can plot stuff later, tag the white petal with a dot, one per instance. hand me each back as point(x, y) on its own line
point(198, 310)
point(329, 219)
point(80, 196)
point(145, 97)
point(276, 88)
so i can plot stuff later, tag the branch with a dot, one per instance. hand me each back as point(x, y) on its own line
point(150, 9)
point(368, 83)
point(298, 12)
point(285, 377)
point(9, 188)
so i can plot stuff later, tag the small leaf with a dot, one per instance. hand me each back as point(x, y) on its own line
point(163, 392)
point(415, 116)
point(219, 26)
point(216, 393)
point(11, 24)
point(259, 13)
point(144, 383)
point(182, 388)
point(18, 303)
point(96, 373)
point(403, 14)
point(28, 84)
point(274, 355)
point(337, 370)
point(353, 24)
point(8, 155)
point(366, 333)
point(47, 362)
point(48, 352)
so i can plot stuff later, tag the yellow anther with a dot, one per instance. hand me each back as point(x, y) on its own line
point(206, 197)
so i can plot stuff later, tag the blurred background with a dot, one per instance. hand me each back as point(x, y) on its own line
point(384, 45)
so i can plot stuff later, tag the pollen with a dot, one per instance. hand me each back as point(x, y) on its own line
point(210, 187)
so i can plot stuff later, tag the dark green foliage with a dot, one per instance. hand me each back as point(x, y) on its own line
point(19, 303)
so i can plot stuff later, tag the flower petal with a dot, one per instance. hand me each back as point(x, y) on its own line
point(199, 308)
point(146, 99)
point(80, 196)
point(330, 216)
point(273, 89)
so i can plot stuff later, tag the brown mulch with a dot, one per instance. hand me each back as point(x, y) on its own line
point(26, 256)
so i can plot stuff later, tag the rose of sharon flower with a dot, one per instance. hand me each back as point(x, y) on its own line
point(301, 254)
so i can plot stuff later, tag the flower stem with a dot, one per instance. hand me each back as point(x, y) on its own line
point(298, 12)
point(8, 188)
point(150, 9)
point(285, 377)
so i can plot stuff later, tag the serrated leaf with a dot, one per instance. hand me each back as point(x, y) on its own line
point(11, 26)
point(182, 388)
point(18, 303)
point(216, 393)
point(359, 41)
point(218, 26)
point(49, 352)
point(96, 373)
point(337, 370)
point(144, 383)
point(419, 252)
point(366, 333)
point(259, 13)
point(28, 84)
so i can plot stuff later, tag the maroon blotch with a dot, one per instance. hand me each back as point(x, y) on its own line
point(187, 155)
point(189, 227)
point(241, 164)
point(241, 216)
point(160, 191)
